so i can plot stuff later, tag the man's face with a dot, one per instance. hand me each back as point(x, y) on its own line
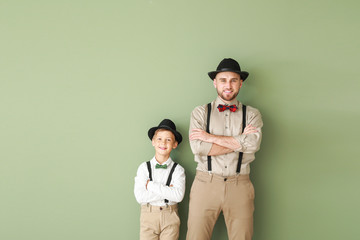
point(227, 85)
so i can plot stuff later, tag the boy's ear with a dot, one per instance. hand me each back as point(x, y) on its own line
point(175, 145)
point(153, 142)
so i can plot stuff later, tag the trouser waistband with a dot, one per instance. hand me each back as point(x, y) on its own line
point(218, 178)
point(151, 208)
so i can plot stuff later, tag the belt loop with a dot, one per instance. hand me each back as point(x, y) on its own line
point(211, 177)
point(150, 207)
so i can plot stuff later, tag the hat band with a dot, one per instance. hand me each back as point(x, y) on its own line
point(229, 70)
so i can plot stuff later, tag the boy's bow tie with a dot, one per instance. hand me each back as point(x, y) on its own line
point(161, 166)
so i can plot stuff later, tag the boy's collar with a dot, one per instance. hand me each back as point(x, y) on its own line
point(167, 162)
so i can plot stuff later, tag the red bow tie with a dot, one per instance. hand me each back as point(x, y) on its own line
point(222, 108)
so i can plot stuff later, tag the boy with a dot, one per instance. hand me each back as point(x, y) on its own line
point(160, 185)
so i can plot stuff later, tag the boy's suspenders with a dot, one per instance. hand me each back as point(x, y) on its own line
point(243, 127)
point(169, 178)
point(149, 169)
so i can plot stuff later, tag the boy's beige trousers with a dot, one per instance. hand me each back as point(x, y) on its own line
point(159, 223)
point(211, 194)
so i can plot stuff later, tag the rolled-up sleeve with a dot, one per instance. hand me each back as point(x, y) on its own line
point(198, 121)
point(250, 143)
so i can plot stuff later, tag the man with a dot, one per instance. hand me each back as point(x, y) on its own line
point(224, 138)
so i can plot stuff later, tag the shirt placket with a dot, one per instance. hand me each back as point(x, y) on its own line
point(227, 132)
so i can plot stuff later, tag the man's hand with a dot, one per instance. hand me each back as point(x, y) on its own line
point(199, 134)
point(250, 129)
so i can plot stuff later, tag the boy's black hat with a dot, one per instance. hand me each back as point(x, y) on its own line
point(229, 65)
point(166, 124)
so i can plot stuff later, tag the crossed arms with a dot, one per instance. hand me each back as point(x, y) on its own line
point(203, 143)
point(151, 191)
point(220, 144)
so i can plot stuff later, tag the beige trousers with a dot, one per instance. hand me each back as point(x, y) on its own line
point(211, 194)
point(159, 223)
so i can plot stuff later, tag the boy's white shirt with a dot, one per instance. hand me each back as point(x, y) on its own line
point(157, 191)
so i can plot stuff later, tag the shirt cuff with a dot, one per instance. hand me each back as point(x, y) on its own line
point(150, 185)
point(201, 148)
point(241, 140)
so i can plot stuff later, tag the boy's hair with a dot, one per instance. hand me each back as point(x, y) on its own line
point(162, 129)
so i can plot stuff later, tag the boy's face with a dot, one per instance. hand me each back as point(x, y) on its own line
point(164, 142)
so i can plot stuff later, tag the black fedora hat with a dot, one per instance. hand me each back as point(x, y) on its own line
point(166, 124)
point(229, 65)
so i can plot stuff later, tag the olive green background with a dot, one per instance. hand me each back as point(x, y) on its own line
point(81, 82)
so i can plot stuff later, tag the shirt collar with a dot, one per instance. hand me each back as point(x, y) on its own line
point(154, 161)
point(220, 101)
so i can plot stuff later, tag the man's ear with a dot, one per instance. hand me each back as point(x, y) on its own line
point(214, 82)
point(241, 83)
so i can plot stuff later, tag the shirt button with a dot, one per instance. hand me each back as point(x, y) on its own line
point(160, 208)
point(225, 166)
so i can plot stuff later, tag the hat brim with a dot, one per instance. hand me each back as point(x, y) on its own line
point(177, 135)
point(243, 74)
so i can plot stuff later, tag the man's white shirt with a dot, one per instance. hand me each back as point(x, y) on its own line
point(157, 191)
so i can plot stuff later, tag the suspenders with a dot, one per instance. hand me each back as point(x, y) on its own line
point(169, 178)
point(149, 169)
point(208, 131)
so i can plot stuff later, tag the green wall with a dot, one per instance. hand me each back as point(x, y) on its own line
point(81, 82)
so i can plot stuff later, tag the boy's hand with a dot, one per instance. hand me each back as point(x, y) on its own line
point(147, 183)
